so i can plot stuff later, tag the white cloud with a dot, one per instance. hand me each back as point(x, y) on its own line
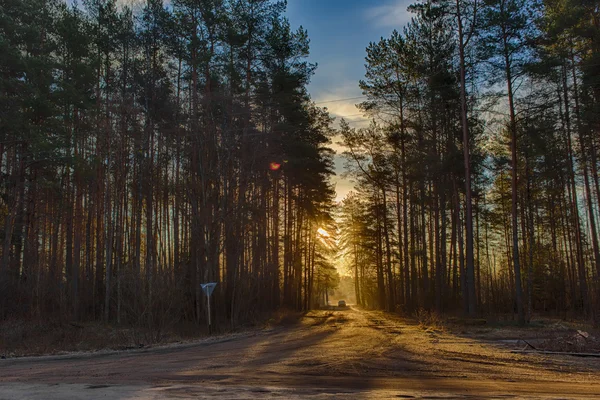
point(341, 103)
point(393, 14)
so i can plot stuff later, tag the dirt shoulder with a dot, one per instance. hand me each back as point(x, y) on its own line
point(20, 338)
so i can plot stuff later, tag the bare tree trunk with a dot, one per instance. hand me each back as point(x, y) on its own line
point(470, 281)
point(514, 184)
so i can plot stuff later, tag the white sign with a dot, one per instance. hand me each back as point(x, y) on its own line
point(208, 288)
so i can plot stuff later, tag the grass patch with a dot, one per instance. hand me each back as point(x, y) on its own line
point(430, 321)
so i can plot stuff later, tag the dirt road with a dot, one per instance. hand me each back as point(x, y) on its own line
point(328, 354)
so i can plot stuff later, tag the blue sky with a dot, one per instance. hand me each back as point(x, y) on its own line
point(339, 32)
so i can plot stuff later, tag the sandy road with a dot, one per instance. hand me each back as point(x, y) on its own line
point(328, 354)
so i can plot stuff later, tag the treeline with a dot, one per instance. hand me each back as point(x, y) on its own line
point(477, 180)
point(143, 152)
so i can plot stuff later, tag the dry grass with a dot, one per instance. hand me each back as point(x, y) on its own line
point(29, 338)
point(430, 320)
point(544, 334)
point(576, 341)
point(33, 338)
point(20, 338)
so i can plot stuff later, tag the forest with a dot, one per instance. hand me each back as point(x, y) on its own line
point(477, 178)
point(147, 150)
point(144, 152)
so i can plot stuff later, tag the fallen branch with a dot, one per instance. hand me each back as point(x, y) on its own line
point(529, 344)
point(557, 353)
point(584, 335)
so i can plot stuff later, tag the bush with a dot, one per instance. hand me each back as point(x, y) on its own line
point(430, 320)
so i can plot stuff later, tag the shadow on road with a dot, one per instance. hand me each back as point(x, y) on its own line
point(345, 348)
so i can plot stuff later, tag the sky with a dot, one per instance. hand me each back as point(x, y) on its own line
point(339, 32)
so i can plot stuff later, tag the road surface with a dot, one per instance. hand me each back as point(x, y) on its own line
point(327, 355)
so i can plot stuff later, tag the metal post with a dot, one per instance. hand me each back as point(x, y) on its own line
point(209, 322)
point(208, 289)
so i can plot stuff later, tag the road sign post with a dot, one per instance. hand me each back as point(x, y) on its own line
point(208, 288)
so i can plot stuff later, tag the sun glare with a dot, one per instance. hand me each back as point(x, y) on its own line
point(323, 232)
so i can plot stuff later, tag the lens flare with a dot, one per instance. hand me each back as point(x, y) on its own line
point(274, 166)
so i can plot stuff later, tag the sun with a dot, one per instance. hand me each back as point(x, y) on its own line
point(323, 232)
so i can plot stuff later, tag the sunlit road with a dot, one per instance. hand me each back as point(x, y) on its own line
point(329, 354)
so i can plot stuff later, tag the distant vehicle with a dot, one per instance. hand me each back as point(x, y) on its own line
point(342, 303)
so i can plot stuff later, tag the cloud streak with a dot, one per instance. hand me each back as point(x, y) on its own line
point(391, 15)
point(341, 103)
point(330, 98)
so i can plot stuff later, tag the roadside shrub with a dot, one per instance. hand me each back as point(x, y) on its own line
point(430, 320)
